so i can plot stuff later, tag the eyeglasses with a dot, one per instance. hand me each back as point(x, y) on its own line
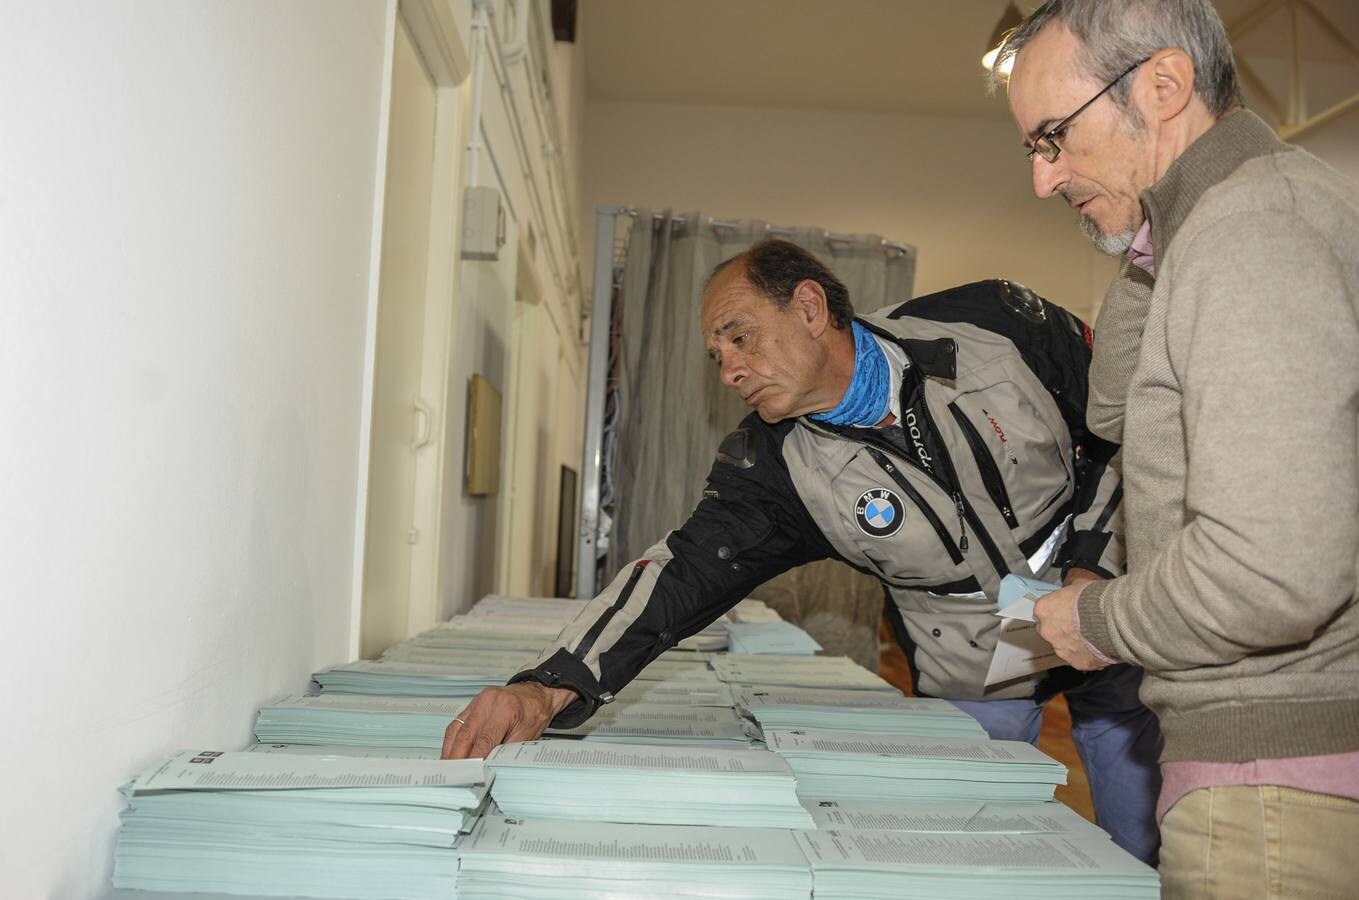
point(1045, 145)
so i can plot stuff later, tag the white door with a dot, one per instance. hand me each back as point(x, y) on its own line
point(401, 423)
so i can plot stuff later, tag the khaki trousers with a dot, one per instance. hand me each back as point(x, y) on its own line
point(1238, 843)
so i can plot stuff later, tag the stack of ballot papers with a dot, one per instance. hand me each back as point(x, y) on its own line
point(675, 654)
point(516, 658)
point(668, 693)
point(749, 610)
point(830, 672)
point(561, 609)
point(316, 826)
point(675, 668)
point(867, 865)
point(494, 610)
point(348, 750)
point(515, 859)
point(949, 816)
point(486, 633)
point(783, 638)
point(711, 638)
point(861, 712)
point(832, 764)
point(399, 678)
point(488, 657)
point(646, 784)
point(656, 723)
point(353, 719)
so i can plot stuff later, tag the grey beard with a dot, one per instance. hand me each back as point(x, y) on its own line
point(1108, 244)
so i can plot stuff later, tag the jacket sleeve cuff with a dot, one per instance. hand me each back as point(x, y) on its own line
point(1090, 619)
point(1089, 566)
point(1085, 550)
point(562, 670)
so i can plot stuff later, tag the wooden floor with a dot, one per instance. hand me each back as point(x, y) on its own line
point(1054, 740)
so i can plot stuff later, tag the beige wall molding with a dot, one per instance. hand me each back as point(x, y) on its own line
point(1290, 115)
point(440, 38)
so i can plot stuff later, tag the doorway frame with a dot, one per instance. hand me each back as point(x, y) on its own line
point(441, 40)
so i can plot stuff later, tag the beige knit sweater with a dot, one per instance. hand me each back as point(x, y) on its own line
point(1240, 453)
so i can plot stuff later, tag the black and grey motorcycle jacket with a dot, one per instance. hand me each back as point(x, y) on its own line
point(989, 471)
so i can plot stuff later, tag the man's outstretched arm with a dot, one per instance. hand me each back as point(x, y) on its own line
point(749, 527)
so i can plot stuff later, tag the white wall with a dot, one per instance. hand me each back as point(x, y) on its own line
point(956, 188)
point(572, 102)
point(186, 192)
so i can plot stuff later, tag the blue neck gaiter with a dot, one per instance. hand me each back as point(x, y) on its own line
point(866, 402)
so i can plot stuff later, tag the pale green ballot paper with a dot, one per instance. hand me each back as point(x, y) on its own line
point(884, 766)
point(645, 784)
point(345, 750)
point(886, 865)
point(832, 672)
point(945, 816)
point(457, 677)
point(357, 719)
point(294, 825)
point(642, 723)
point(674, 694)
point(210, 770)
point(513, 858)
point(864, 712)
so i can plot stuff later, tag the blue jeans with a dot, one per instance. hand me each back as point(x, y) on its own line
point(1118, 740)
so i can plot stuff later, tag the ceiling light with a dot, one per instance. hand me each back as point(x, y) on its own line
point(1009, 20)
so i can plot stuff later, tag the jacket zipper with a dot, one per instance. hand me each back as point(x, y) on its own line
point(962, 522)
point(965, 511)
point(986, 465)
point(931, 516)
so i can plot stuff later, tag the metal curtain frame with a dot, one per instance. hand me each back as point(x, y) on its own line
point(587, 562)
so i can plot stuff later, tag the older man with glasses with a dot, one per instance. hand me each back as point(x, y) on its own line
point(1227, 365)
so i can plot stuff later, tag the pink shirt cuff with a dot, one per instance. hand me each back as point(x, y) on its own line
point(1076, 617)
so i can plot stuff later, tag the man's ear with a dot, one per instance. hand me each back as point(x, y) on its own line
point(1172, 85)
point(810, 304)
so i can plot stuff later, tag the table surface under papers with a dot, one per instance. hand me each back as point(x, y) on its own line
point(770, 772)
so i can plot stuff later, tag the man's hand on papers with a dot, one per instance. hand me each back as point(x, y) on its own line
point(502, 715)
point(1055, 614)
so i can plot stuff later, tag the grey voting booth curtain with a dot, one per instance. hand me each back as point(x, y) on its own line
point(673, 411)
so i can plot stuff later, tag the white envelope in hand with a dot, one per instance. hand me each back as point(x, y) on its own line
point(1019, 650)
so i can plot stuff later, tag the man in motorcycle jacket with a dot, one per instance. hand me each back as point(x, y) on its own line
point(938, 445)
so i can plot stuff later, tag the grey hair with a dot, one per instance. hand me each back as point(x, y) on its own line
point(1117, 34)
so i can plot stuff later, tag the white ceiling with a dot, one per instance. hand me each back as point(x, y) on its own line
point(897, 56)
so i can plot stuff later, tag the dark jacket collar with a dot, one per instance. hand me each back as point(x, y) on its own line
point(1238, 137)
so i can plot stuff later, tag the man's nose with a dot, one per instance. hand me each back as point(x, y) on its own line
point(733, 369)
point(1048, 177)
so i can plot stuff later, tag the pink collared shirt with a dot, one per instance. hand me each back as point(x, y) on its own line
point(1142, 253)
point(1335, 774)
